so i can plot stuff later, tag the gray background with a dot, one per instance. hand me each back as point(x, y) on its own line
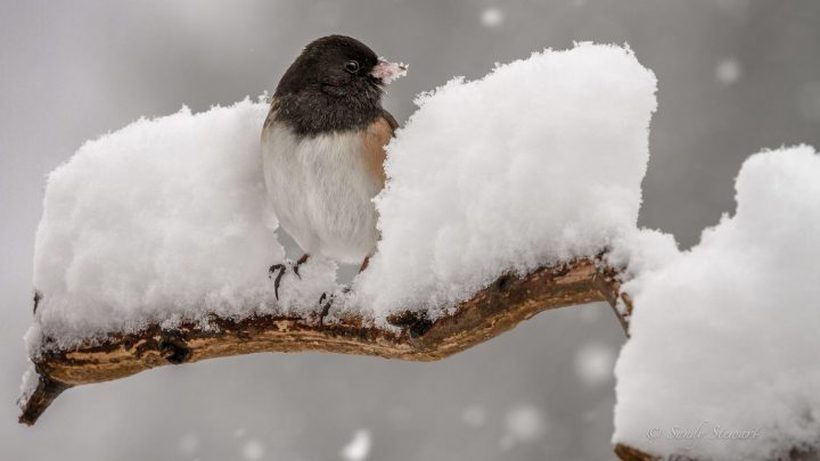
point(735, 76)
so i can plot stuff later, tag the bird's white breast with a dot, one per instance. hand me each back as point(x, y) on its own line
point(321, 191)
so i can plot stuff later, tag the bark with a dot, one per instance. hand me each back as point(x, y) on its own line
point(627, 453)
point(492, 311)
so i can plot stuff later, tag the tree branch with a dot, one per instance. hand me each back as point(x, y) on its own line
point(490, 312)
point(627, 453)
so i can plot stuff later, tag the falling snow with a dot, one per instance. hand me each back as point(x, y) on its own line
point(492, 17)
point(728, 71)
point(253, 450)
point(594, 363)
point(474, 415)
point(523, 424)
point(359, 446)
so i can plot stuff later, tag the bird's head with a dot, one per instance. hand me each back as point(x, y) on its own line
point(339, 66)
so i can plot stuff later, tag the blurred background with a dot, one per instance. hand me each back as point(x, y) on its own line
point(734, 76)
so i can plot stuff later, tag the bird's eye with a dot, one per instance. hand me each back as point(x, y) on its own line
point(352, 66)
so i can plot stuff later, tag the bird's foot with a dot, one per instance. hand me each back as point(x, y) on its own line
point(280, 269)
point(299, 262)
point(326, 301)
point(364, 265)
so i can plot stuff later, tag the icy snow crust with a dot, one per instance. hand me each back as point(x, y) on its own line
point(723, 357)
point(538, 162)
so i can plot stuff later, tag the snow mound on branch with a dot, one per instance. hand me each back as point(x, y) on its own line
point(723, 357)
point(162, 220)
point(165, 220)
point(538, 162)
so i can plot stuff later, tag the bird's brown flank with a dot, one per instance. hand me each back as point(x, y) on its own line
point(374, 138)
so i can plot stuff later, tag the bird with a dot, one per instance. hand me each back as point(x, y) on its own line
point(323, 150)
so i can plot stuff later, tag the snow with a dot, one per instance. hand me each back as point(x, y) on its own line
point(642, 250)
point(492, 17)
point(722, 360)
point(538, 162)
point(163, 220)
point(639, 252)
point(359, 446)
point(389, 71)
point(728, 71)
point(253, 450)
point(541, 161)
point(474, 415)
point(28, 385)
point(593, 363)
point(523, 424)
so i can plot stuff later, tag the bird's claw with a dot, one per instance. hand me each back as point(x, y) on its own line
point(325, 307)
point(281, 269)
point(325, 303)
point(299, 262)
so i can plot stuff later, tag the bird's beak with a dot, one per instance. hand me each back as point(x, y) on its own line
point(385, 71)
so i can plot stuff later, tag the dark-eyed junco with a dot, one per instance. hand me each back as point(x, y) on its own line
point(323, 149)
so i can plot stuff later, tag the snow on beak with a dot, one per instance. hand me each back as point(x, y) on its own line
point(386, 71)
